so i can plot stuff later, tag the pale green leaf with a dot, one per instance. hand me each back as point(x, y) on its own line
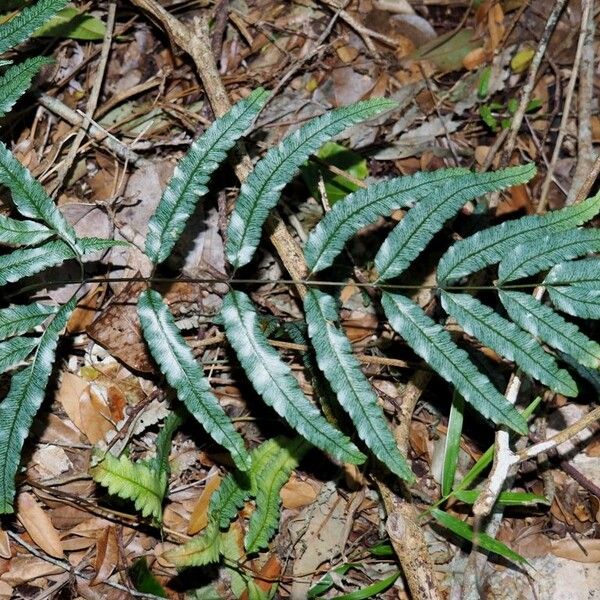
point(20, 27)
point(200, 550)
point(452, 445)
point(189, 181)
point(72, 24)
point(132, 481)
point(16, 81)
point(274, 382)
point(19, 319)
point(408, 239)
point(504, 499)
point(17, 410)
point(91, 245)
point(269, 480)
point(434, 344)
point(15, 351)
point(542, 322)
point(262, 189)
point(580, 273)
point(508, 340)
point(182, 372)
point(354, 392)
point(30, 198)
point(480, 539)
point(363, 208)
point(539, 255)
point(22, 233)
point(491, 245)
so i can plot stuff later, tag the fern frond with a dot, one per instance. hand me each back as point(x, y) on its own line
point(261, 191)
point(30, 198)
point(160, 462)
point(20, 27)
point(416, 230)
point(183, 374)
point(581, 273)
point(189, 181)
point(273, 380)
point(491, 245)
point(434, 344)
point(541, 321)
point(200, 550)
point(576, 300)
point(22, 318)
point(132, 481)
point(354, 392)
point(22, 233)
point(540, 255)
point(508, 340)
point(26, 393)
point(91, 245)
point(363, 207)
point(17, 79)
point(13, 352)
point(574, 287)
point(270, 479)
point(29, 261)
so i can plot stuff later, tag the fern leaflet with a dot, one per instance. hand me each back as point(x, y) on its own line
point(415, 231)
point(491, 245)
point(540, 255)
point(541, 321)
point(261, 191)
point(508, 340)
point(193, 172)
point(183, 373)
point(434, 344)
point(364, 207)
point(20, 27)
point(574, 287)
point(200, 550)
point(19, 319)
point(26, 393)
point(30, 198)
point(132, 481)
point(15, 82)
point(273, 380)
point(22, 233)
point(270, 479)
point(354, 392)
point(15, 351)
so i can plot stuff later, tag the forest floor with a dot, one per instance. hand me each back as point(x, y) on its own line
point(471, 92)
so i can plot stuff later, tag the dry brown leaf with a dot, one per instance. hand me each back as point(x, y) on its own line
point(38, 525)
point(95, 415)
point(583, 550)
point(199, 517)
point(297, 492)
point(107, 555)
point(68, 394)
point(25, 567)
point(5, 551)
point(268, 573)
point(6, 591)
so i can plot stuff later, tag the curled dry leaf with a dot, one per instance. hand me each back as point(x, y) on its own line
point(38, 525)
point(199, 517)
point(583, 550)
point(107, 555)
point(5, 551)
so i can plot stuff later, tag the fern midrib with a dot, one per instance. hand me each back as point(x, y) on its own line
point(511, 342)
point(290, 403)
point(438, 207)
point(478, 393)
point(560, 333)
point(233, 443)
point(492, 243)
point(357, 402)
point(188, 180)
point(281, 165)
point(534, 257)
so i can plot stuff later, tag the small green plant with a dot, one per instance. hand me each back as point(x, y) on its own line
point(522, 248)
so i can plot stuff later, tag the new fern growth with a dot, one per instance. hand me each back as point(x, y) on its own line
point(529, 332)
